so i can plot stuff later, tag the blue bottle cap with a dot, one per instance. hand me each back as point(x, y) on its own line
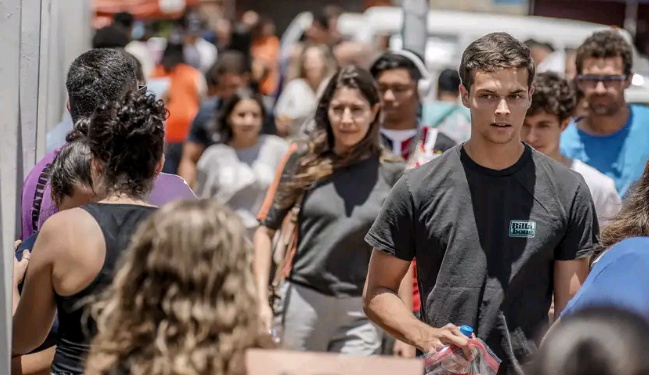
point(466, 330)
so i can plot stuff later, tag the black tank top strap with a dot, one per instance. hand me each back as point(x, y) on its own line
point(118, 223)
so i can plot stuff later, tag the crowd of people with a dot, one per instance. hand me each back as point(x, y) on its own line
point(334, 207)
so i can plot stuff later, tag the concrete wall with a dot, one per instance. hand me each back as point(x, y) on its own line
point(37, 47)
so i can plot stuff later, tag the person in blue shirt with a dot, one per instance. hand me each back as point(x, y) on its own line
point(619, 278)
point(613, 137)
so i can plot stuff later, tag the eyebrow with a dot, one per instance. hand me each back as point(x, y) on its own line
point(487, 91)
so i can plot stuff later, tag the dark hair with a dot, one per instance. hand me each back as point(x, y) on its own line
point(172, 56)
point(99, 76)
point(607, 43)
point(234, 62)
point(595, 341)
point(222, 124)
point(553, 95)
point(494, 52)
point(124, 19)
point(633, 218)
point(391, 61)
point(127, 137)
point(321, 161)
point(71, 169)
point(112, 36)
point(321, 18)
point(139, 73)
point(449, 81)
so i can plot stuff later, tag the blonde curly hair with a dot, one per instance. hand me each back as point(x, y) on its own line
point(184, 298)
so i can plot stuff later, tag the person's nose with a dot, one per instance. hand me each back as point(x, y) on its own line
point(600, 88)
point(503, 109)
point(347, 117)
point(529, 135)
point(388, 96)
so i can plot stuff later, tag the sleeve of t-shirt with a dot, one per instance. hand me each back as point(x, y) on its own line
point(393, 230)
point(198, 133)
point(271, 215)
point(583, 228)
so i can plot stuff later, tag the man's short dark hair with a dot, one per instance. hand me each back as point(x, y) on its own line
point(228, 62)
point(602, 44)
point(449, 81)
point(391, 61)
point(494, 52)
point(553, 95)
point(111, 36)
point(124, 19)
point(99, 76)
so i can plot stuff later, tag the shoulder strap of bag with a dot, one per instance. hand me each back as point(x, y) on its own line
point(289, 244)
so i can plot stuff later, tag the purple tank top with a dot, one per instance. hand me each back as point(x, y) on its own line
point(37, 203)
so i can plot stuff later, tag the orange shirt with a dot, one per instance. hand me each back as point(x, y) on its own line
point(267, 50)
point(183, 101)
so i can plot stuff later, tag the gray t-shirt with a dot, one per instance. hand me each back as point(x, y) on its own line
point(332, 256)
point(239, 178)
point(486, 242)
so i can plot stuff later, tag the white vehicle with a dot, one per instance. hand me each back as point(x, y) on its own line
point(450, 32)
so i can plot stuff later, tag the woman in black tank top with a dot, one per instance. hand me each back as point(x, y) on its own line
point(76, 253)
point(184, 297)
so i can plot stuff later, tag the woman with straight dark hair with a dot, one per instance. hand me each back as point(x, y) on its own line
point(238, 170)
point(339, 179)
point(75, 255)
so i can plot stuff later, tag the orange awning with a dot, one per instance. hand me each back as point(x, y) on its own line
point(142, 9)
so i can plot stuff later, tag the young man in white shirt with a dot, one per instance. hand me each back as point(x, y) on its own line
point(551, 111)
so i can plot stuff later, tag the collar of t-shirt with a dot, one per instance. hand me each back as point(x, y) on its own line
point(399, 139)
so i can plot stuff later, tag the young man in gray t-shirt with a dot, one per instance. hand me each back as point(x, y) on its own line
point(497, 228)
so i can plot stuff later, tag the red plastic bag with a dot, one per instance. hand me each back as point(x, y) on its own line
point(451, 360)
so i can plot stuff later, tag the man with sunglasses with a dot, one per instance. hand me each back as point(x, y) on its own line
point(613, 137)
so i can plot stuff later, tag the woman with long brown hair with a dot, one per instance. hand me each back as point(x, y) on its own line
point(633, 218)
point(339, 178)
point(184, 299)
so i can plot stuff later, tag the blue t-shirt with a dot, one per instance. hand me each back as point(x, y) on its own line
point(619, 278)
point(621, 155)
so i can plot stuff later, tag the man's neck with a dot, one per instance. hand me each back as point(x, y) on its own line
point(605, 125)
point(405, 124)
point(494, 156)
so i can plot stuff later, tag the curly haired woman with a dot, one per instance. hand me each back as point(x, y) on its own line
point(184, 299)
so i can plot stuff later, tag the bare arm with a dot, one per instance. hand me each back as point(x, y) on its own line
point(569, 275)
point(263, 247)
point(187, 168)
point(36, 310)
point(33, 364)
point(384, 307)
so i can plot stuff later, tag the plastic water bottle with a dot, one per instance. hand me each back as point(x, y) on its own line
point(450, 365)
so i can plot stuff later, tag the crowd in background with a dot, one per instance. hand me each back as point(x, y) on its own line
point(371, 175)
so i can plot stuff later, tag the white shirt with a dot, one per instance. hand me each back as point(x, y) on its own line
point(602, 189)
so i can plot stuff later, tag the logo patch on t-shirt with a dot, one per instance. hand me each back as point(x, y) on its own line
point(522, 228)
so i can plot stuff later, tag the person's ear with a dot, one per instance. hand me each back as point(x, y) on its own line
point(564, 124)
point(529, 97)
point(159, 166)
point(67, 105)
point(464, 94)
point(628, 80)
